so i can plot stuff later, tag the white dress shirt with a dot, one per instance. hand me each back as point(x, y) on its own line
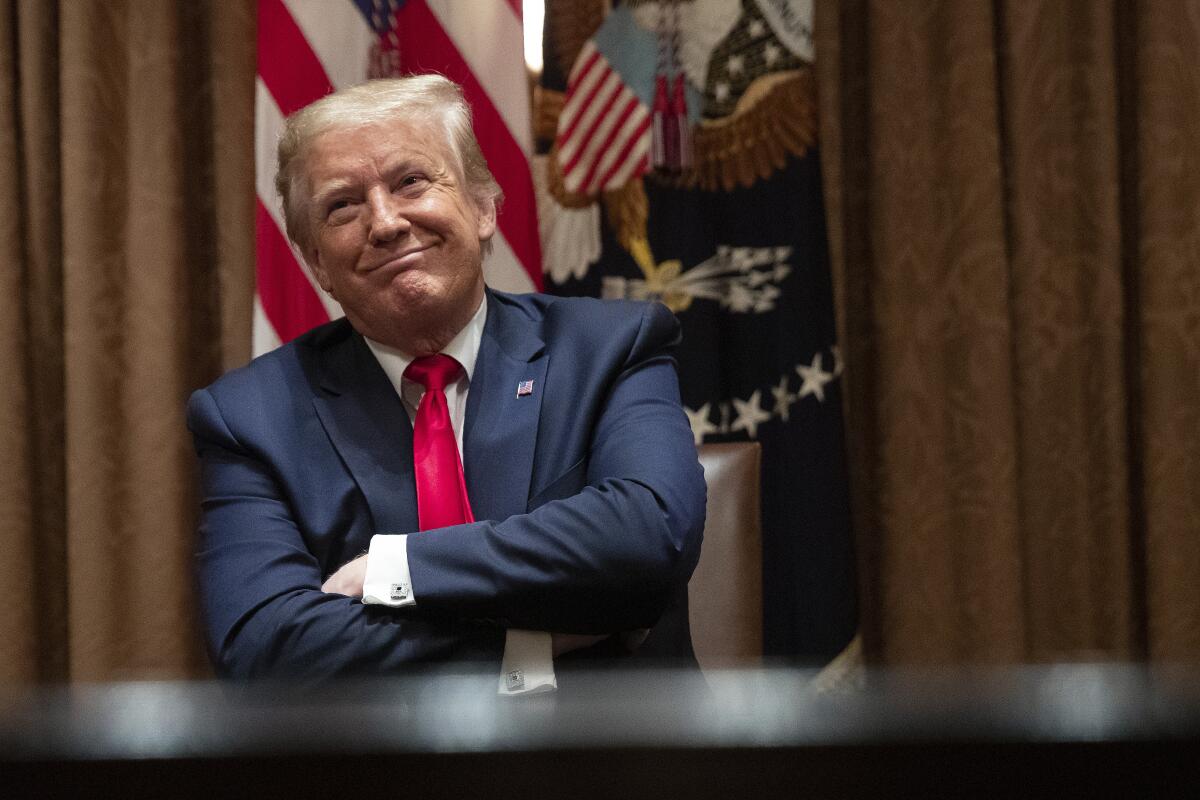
point(528, 665)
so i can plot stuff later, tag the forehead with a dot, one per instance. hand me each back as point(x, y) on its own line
point(347, 152)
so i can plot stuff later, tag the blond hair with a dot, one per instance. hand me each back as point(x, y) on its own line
point(424, 99)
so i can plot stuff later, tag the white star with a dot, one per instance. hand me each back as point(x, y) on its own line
point(722, 92)
point(749, 414)
point(735, 65)
point(814, 379)
point(698, 419)
point(756, 28)
point(770, 53)
point(783, 398)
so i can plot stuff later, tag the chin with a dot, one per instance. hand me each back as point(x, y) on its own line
point(416, 302)
point(411, 288)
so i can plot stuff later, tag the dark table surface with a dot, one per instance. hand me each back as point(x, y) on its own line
point(1077, 730)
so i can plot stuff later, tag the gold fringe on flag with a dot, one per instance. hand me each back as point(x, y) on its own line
point(554, 184)
point(628, 211)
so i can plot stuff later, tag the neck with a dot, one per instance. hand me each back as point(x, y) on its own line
point(429, 345)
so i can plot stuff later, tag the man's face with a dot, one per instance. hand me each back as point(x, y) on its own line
point(395, 237)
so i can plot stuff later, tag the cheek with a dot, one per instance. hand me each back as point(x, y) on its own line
point(339, 250)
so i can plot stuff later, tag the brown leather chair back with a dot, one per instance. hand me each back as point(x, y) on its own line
point(725, 593)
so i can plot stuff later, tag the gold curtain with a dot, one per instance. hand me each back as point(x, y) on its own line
point(1014, 197)
point(125, 151)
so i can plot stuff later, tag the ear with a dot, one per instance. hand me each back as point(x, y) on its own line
point(487, 219)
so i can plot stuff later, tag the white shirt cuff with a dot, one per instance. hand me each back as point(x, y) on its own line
point(387, 582)
point(528, 665)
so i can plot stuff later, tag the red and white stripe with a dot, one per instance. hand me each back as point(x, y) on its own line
point(307, 48)
point(603, 133)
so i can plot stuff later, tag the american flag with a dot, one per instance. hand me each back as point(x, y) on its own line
point(308, 48)
point(603, 137)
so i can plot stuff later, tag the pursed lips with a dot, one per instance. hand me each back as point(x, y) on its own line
point(399, 260)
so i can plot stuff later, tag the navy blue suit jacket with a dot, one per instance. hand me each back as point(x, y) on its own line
point(588, 495)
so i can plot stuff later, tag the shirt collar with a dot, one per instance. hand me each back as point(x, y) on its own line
point(464, 348)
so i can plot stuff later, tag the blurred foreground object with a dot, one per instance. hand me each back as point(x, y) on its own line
point(1076, 730)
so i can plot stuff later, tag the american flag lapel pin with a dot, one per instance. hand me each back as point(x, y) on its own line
point(524, 388)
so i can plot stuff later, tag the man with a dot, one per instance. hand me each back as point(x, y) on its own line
point(578, 521)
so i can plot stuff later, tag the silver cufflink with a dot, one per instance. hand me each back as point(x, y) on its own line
point(515, 679)
point(399, 591)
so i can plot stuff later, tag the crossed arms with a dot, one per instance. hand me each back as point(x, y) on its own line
point(601, 550)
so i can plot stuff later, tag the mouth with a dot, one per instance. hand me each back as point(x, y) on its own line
point(399, 261)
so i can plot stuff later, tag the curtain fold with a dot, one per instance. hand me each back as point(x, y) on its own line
point(1068, 306)
point(1019, 377)
point(32, 475)
point(132, 260)
point(1167, 123)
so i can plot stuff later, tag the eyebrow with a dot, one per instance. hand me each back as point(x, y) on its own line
point(336, 186)
point(331, 189)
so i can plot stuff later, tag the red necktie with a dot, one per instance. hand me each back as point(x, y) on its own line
point(441, 488)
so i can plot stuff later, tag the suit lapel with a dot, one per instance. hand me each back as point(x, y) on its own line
point(367, 423)
point(502, 424)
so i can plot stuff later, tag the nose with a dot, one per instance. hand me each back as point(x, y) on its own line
point(387, 220)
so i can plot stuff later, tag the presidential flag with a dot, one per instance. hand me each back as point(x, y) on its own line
point(724, 223)
point(308, 48)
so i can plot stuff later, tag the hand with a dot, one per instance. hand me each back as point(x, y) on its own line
point(349, 579)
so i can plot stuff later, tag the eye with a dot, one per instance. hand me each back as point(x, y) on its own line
point(412, 180)
point(337, 210)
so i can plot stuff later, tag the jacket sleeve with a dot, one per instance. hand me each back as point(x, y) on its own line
point(260, 586)
point(606, 549)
